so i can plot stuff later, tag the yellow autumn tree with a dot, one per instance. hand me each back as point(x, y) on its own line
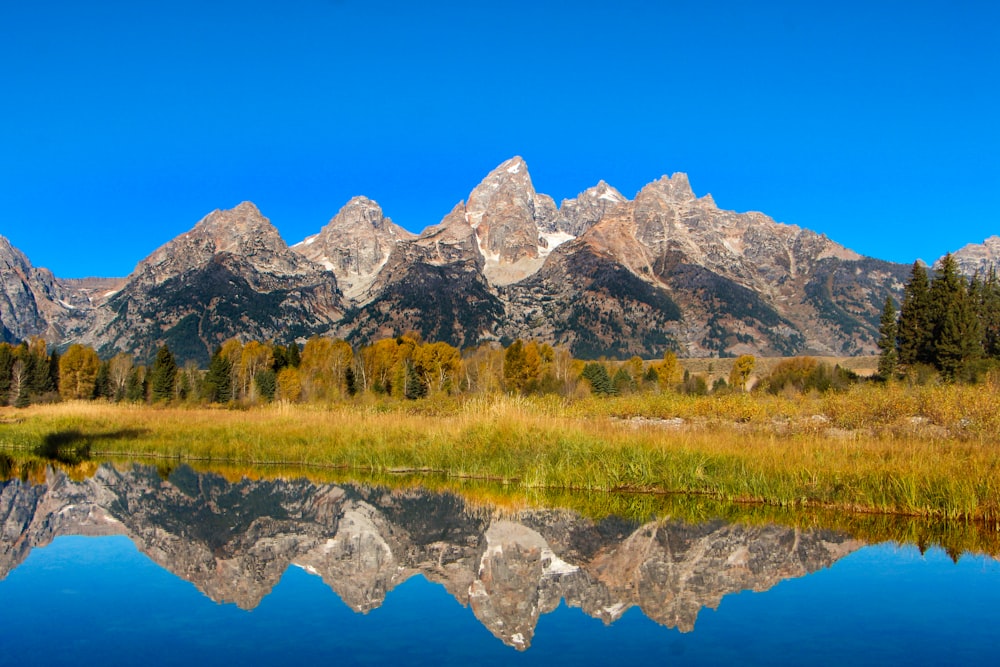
point(324, 367)
point(232, 351)
point(740, 373)
point(255, 357)
point(78, 372)
point(439, 366)
point(289, 385)
point(668, 372)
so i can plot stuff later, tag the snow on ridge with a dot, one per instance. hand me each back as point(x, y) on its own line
point(554, 239)
point(514, 168)
point(306, 241)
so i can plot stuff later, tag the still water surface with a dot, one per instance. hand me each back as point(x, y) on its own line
point(128, 567)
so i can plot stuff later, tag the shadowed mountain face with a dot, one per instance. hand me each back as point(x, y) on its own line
point(235, 540)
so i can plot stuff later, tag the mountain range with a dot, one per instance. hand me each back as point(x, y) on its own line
point(234, 541)
point(599, 273)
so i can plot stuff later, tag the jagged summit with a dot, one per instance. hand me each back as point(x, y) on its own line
point(978, 258)
point(676, 187)
point(355, 244)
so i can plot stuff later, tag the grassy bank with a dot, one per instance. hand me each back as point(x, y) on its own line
point(923, 452)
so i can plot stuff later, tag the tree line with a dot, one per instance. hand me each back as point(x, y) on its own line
point(326, 370)
point(946, 325)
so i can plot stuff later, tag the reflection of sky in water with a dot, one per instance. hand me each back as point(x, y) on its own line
point(89, 600)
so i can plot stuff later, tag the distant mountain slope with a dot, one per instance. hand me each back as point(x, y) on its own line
point(231, 275)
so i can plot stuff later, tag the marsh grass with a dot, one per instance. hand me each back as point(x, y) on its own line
point(929, 452)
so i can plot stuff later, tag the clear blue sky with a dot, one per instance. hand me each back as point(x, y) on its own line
point(123, 123)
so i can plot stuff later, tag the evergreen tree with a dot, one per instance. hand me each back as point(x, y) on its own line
point(350, 381)
point(102, 385)
point(279, 358)
point(53, 381)
point(218, 387)
point(42, 372)
point(623, 381)
point(294, 355)
point(888, 356)
point(914, 331)
point(183, 386)
point(413, 386)
point(267, 384)
point(6, 370)
point(135, 386)
point(989, 314)
point(163, 376)
point(957, 337)
point(597, 375)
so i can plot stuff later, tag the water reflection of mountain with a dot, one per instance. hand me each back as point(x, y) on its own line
point(234, 541)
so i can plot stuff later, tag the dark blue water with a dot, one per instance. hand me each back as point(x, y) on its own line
point(98, 600)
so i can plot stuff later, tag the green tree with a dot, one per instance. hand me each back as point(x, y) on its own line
point(217, 386)
point(915, 329)
point(597, 375)
point(6, 368)
point(989, 314)
point(413, 385)
point(888, 356)
point(102, 385)
point(163, 376)
point(294, 355)
point(135, 385)
point(623, 382)
point(957, 337)
point(267, 384)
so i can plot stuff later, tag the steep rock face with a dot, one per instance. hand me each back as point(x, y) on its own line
point(515, 226)
point(583, 297)
point(978, 258)
point(435, 285)
point(355, 245)
point(579, 214)
point(234, 541)
point(231, 275)
point(31, 300)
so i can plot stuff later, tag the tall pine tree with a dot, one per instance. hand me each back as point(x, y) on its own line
point(989, 314)
point(888, 358)
point(163, 376)
point(957, 337)
point(914, 331)
point(218, 386)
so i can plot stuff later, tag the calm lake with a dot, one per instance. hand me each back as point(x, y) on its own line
point(135, 565)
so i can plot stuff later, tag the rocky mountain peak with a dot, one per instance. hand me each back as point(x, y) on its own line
point(239, 230)
point(676, 187)
point(978, 257)
point(578, 215)
point(509, 218)
point(355, 244)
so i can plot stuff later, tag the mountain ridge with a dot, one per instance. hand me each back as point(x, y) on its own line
point(600, 273)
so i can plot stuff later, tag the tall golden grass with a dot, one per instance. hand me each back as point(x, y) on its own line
point(925, 451)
